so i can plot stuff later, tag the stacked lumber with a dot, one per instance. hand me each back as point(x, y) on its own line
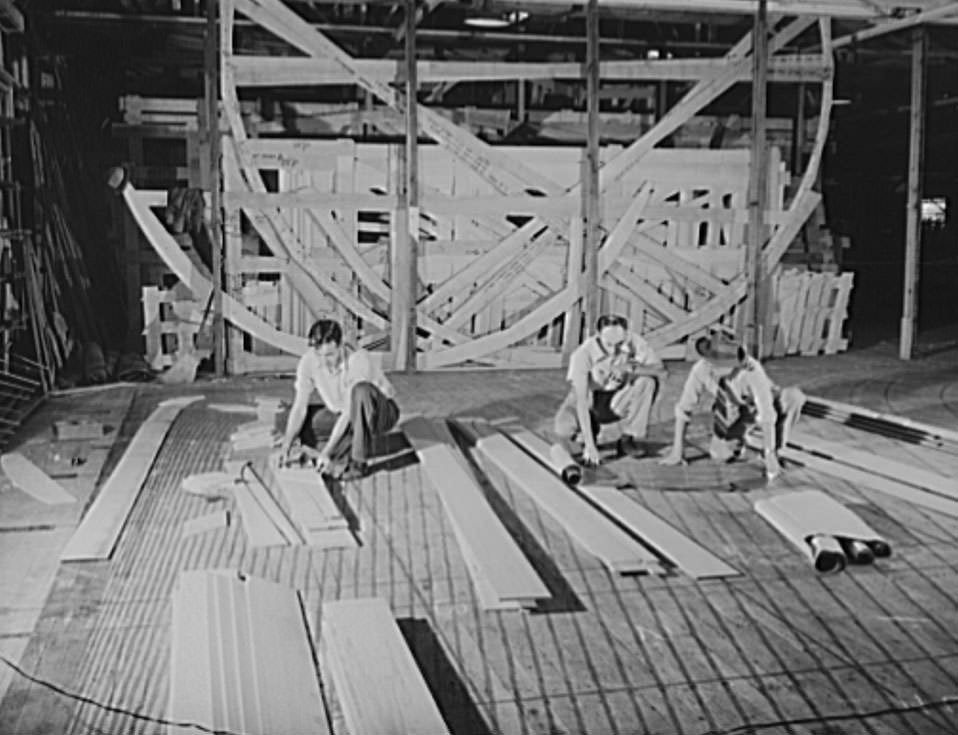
point(811, 312)
point(501, 575)
point(375, 676)
point(692, 558)
point(823, 529)
point(586, 526)
point(253, 436)
point(311, 506)
point(98, 532)
point(241, 658)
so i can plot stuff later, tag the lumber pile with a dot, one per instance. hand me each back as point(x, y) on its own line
point(827, 532)
point(585, 525)
point(241, 657)
point(501, 575)
point(375, 676)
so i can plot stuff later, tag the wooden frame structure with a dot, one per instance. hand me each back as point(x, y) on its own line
point(500, 261)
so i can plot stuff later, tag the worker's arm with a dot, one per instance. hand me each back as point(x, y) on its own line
point(339, 428)
point(700, 380)
point(590, 451)
point(294, 422)
point(761, 388)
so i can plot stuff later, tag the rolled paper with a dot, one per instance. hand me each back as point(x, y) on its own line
point(858, 552)
point(563, 463)
point(880, 549)
point(827, 554)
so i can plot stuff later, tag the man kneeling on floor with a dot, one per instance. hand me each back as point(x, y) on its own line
point(743, 398)
point(357, 404)
point(615, 377)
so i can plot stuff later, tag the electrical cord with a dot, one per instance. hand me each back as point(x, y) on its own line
point(109, 707)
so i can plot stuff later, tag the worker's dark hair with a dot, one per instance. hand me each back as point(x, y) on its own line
point(611, 320)
point(325, 331)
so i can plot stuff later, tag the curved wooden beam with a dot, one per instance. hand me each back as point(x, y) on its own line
point(200, 282)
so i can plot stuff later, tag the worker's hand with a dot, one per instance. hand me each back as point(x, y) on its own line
point(323, 461)
point(282, 456)
point(590, 454)
point(672, 457)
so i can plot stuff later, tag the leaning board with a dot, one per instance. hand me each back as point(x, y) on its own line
point(376, 679)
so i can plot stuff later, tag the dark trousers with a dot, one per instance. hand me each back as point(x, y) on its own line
point(371, 416)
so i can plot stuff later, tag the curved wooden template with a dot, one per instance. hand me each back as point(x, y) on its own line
point(198, 282)
point(801, 208)
point(698, 97)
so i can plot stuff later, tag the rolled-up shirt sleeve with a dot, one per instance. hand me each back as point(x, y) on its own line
point(761, 388)
point(700, 380)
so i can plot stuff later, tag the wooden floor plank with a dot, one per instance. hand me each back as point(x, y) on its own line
point(98, 532)
point(503, 576)
point(596, 533)
point(377, 680)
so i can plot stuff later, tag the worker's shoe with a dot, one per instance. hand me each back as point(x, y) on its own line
point(630, 446)
point(354, 470)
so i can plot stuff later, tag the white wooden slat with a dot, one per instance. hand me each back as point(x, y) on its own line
point(584, 524)
point(690, 557)
point(241, 657)
point(500, 572)
point(376, 678)
point(33, 481)
point(204, 523)
point(862, 478)
point(268, 504)
point(876, 464)
point(311, 507)
point(260, 530)
point(98, 532)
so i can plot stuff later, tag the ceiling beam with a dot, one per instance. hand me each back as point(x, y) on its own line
point(11, 19)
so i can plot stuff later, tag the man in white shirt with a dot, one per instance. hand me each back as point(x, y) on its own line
point(744, 397)
point(358, 403)
point(615, 377)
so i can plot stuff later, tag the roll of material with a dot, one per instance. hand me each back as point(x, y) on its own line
point(564, 465)
point(827, 554)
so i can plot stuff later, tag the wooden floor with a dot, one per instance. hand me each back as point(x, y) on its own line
point(857, 652)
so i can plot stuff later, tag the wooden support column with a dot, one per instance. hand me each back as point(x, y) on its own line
point(405, 242)
point(757, 185)
point(590, 188)
point(798, 131)
point(916, 146)
point(214, 179)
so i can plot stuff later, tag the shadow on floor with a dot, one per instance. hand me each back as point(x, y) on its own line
point(459, 711)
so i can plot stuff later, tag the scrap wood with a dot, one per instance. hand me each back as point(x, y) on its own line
point(208, 483)
point(33, 481)
point(375, 677)
point(503, 577)
point(99, 531)
point(827, 532)
point(208, 522)
point(241, 657)
point(231, 407)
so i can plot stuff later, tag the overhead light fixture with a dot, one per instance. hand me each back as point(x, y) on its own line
point(497, 20)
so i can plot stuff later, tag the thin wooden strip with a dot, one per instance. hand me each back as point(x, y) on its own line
point(375, 676)
point(260, 530)
point(33, 481)
point(859, 477)
point(191, 662)
point(690, 557)
point(311, 507)
point(876, 464)
point(99, 531)
point(589, 528)
point(938, 432)
point(276, 515)
point(498, 568)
